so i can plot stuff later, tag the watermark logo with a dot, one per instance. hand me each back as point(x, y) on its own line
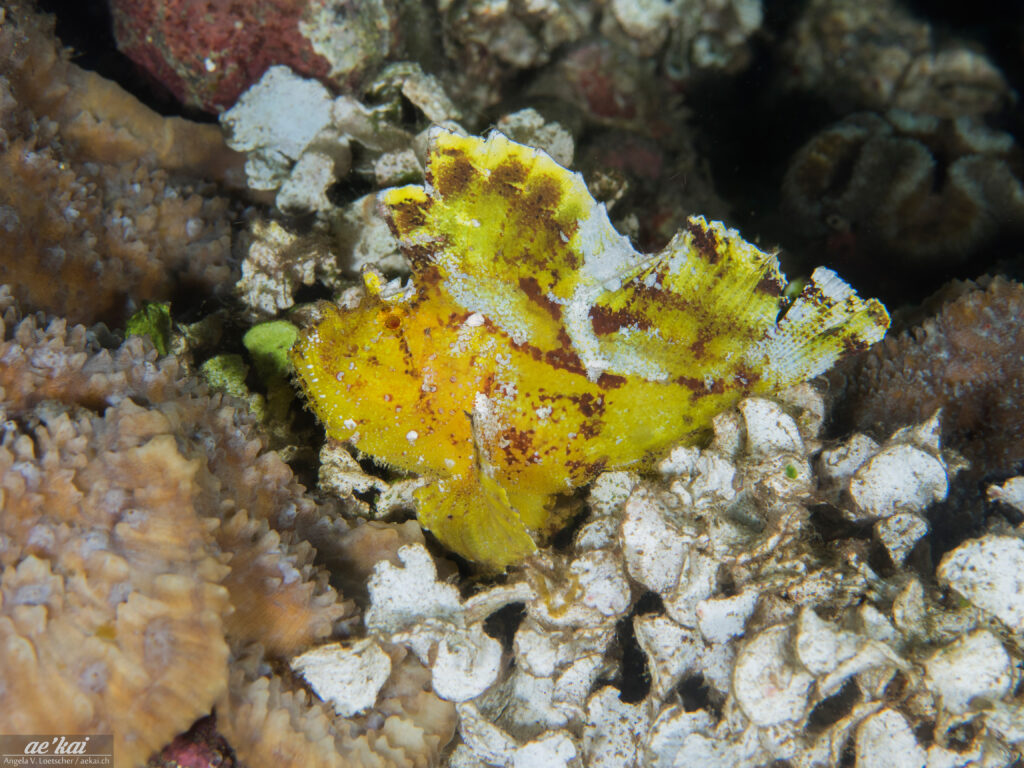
point(57, 750)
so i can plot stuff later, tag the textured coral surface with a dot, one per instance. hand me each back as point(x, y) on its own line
point(968, 359)
point(142, 528)
point(104, 203)
point(208, 53)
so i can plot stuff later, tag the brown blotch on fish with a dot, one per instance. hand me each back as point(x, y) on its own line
point(544, 194)
point(770, 285)
point(516, 441)
point(610, 381)
point(589, 405)
point(407, 216)
point(704, 241)
point(604, 320)
point(507, 178)
point(535, 293)
point(453, 176)
point(699, 346)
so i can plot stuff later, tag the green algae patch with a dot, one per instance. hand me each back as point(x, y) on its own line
point(268, 344)
point(152, 320)
point(226, 373)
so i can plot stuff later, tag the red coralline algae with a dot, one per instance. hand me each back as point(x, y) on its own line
point(199, 747)
point(207, 52)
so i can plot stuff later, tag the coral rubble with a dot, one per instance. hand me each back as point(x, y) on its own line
point(763, 643)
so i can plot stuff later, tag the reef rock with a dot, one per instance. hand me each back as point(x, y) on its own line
point(208, 65)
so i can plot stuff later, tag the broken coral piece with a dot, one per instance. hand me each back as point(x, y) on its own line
point(536, 348)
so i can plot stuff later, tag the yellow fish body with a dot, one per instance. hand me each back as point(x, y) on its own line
point(536, 348)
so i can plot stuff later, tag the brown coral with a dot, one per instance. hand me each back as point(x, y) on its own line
point(968, 359)
point(106, 203)
point(873, 54)
point(138, 512)
point(903, 190)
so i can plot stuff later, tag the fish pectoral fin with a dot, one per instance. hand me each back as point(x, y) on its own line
point(472, 517)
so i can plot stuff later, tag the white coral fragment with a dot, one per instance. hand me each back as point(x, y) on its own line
point(305, 189)
point(653, 547)
point(489, 743)
point(593, 589)
point(464, 662)
point(614, 730)
point(770, 430)
point(885, 740)
point(347, 676)
point(1011, 492)
point(682, 738)
point(900, 533)
point(900, 477)
point(839, 463)
point(722, 618)
point(274, 121)
point(671, 651)
point(553, 750)
point(834, 655)
point(400, 597)
point(971, 670)
point(768, 686)
point(989, 572)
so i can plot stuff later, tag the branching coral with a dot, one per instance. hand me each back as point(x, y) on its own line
point(104, 199)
